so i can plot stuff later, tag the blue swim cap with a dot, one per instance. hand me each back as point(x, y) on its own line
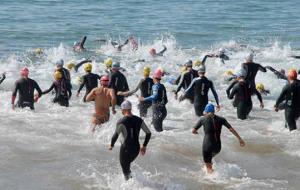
point(116, 65)
point(209, 108)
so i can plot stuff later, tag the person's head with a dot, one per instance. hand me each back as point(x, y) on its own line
point(146, 71)
point(152, 51)
point(104, 80)
point(249, 58)
point(228, 73)
point(197, 63)
point(60, 63)
point(260, 87)
point(88, 67)
point(292, 75)
point(189, 65)
point(71, 65)
point(57, 75)
point(38, 51)
point(116, 66)
point(126, 108)
point(201, 71)
point(221, 51)
point(157, 75)
point(108, 63)
point(209, 109)
point(24, 72)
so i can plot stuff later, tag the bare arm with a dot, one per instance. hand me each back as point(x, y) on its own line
point(91, 96)
point(113, 100)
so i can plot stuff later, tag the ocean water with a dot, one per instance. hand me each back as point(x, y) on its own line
point(52, 148)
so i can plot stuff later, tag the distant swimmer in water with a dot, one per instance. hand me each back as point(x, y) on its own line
point(145, 86)
point(3, 77)
point(62, 92)
point(153, 52)
point(159, 100)
point(129, 126)
point(90, 80)
point(104, 97)
point(221, 54)
point(77, 64)
point(25, 86)
point(212, 126)
point(79, 46)
point(199, 89)
point(279, 74)
point(296, 56)
point(291, 95)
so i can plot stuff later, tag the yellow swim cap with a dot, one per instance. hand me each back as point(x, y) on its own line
point(260, 87)
point(88, 67)
point(228, 73)
point(147, 71)
point(38, 51)
point(57, 75)
point(108, 62)
point(183, 69)
point(197, 63)
point(71, 65)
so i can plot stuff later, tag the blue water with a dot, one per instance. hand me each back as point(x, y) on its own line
point(41, 23)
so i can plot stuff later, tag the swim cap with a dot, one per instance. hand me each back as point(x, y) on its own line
point(71, 65)
point(108, 62)
point(202, 69)
point(88, 67)
point(250, 57)
point(189, 63)
point(38, 51)
point(260, 87)
point(209, 108)
point(221, 50)
point(197, 63)
point(104, 80)
point(152, 51)
point(24, 72)
point(116, 65)
point(292, 75)
point(126, 105)
point(60, 63)
point(57, 75)
point(229, 73)
point(158, 74)
point(147, 71)
point(75, 43)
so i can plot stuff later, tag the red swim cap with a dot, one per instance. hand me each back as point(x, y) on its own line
point(24, 72)
point(104, 80)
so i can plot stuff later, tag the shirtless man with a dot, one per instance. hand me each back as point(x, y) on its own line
point(103, 97)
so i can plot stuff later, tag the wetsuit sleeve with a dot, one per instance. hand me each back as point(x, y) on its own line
point(204, 59)
point(226, 124)
point(118, 130)
point(91, 96)
point(15, 90)
point(199, 124)
point(126, 85)
point(112, 82)
point(154, 95)
point(213, 90)
point(188, 90)
point(82, 42)
point(258, 94)
point(148, 133)
point(135, 90)
point(49, 90)
point(82, 84)
point(180, 84)
point(69, 89)
point(161, 53)
point(37, 87)
point(233, 92)
point(81, 63)
point(230, 87)
point(224, 57)
point(281, 96)
point(2, 79)
point(261, 68)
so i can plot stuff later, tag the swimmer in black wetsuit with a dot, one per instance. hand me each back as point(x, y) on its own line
point(186, 79)
point(129, 126)
point(291, 95)
point(221, 54)
point(118, 82)
point(65, 72)
point(79, 46)
point(25, 86)
point(90, 81)
point(212, 126)
point(145, 86)
point(3, 77)
point(152, 51)
point(241, 92)
point(199, 89)
point(159, 100)
point(62, 92)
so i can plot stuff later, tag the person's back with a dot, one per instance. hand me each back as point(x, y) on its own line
point(26, 89)
point(132, 125)
point(118, 82)
point(292, 95)
point(201, 88)
point(212, 127)
point(103, 97)
point(162, 98)
point(146, 87)
point(242, 92)
point(91, 81)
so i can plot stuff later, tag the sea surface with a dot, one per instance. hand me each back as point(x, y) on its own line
point(52, 147)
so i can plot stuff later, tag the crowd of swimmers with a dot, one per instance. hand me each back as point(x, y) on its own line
point(194, 85)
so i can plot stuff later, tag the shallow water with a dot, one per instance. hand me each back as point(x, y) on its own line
point(52, 148)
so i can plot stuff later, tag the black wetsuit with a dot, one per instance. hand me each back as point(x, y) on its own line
point(241, 92)
point(118, 82)
point(80, 46)
point(81, 63)
point(159, 100)
point(161, 53)
point(66, 76)
point(145, 86)
point(252, 69)
point(199, 89)
point(130, 127)
point(90, 81)
point(277, 73)
point(26, 89)
point(212, 126)
point(3, 78)
point(62, 92)
point(291, 95)
point(185, 81)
